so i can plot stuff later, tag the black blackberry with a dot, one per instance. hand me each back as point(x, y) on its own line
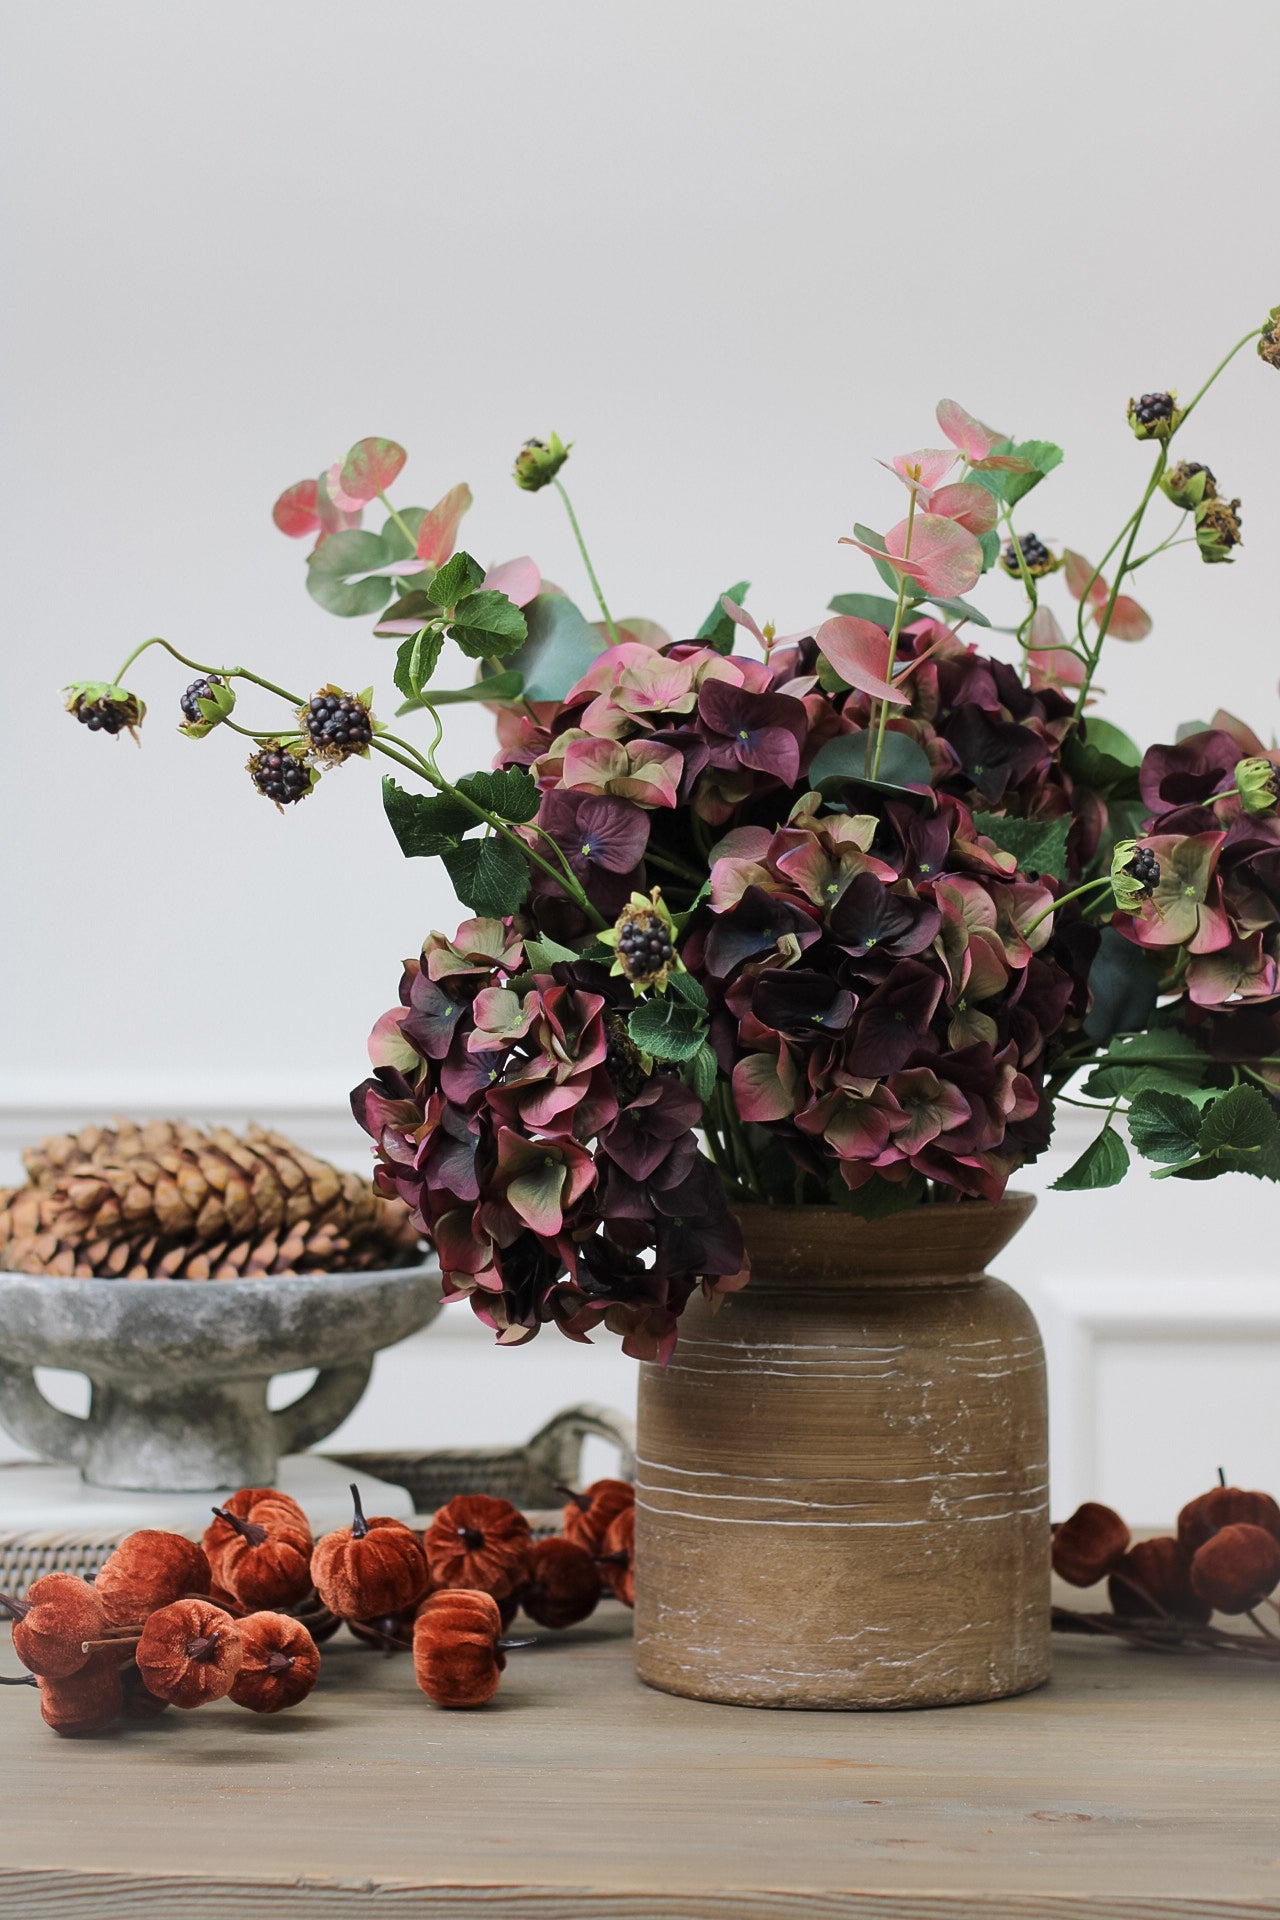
point(1036, 556)
point(644, 947)
point(1145, 869)
point(278, 775)
point(1150, 408)
point(199, 690)
point(100, 716)
point(1187, 470)
point(337, 724)
point(622, 1060)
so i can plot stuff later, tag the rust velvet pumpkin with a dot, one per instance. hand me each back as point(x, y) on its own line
point(563, 1584)
point(457, 1661)
point(372, 1567)
point(149, 1570)
point(1090, 1544)
point(279, 1663)
point(59, 1613)
point(189, 1653)
point(589, 1515)
point(259, 1548)
point(478, 1542)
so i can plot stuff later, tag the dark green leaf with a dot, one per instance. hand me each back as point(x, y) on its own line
point(718, 629)
point(1038, 846)
point(880, 1198)
point(667, 1028)
point(488, 624)
point(397, 546)
point(902, 762)
point(702, 1072)
point(959, 610)
point(542, 954)
point(455, 580)
point(416, 661)
point(690, 990)
point(1044, 457)
point(1240, 1122)
point(405, 615)
point(1165, 1061)
point(865, 606)
point(510, 793)
point(424, 824)
point(1123, 983)
point(1105, 738)
point(334, 568)
point(1093, 767)
point(1104, 1163)
point(489, 875)
point(560, 648)
point(1165, 1126)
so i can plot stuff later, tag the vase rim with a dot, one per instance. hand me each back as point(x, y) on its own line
point(927, 1245)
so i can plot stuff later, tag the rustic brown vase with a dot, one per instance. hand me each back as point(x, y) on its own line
point(841, 1479)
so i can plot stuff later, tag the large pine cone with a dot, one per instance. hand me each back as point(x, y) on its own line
point(169, 1201)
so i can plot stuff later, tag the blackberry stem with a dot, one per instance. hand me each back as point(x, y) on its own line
point(894, 633)
point(586, 561)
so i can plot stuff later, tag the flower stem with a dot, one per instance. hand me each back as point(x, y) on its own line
point(400, 521)
point(1090, 886)
point(586, 561)
point(894, 633)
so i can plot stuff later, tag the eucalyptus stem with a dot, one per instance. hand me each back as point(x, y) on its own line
point(401, 522)
point(894, 633)
point(586, 561)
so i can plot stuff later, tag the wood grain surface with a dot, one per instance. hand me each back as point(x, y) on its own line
point(1132, 1787)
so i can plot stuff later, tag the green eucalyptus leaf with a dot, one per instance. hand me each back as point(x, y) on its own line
point(667, 1028)
point(865, 606)
point(1165, 1126)
point(510, 793)
point(1123, 983)
point(561, 646)
point(902, 763)
point(1038, 846)
point(457, 578)
point(959, 610)
point(393, 539)
point(489, 875)
point(990, 544)
point(334, 570)
point(487, 624)
point(424, 824)
point(718, 630)
point(1104, 1163)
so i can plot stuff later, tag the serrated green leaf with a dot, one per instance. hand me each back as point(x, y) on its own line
point(1164, 1061)
point(424, 824)
point(416, 661)
point(511, 793)
point(1038, 846)
point(990, 544)
point(667, 1028)
point(457, 578)
point(865, 606)
point(561, 645)
point(489, 875)
point(1044, 457)
point(702, 1072)
point(487, 624)
point(334, 567)
point(690, 990)
point(1165, 1126)
point(1104, 1163)
point(542, 954)
point(718, 630)
point(1240, 1121)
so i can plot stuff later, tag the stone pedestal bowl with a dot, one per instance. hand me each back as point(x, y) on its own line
point(179, 1369)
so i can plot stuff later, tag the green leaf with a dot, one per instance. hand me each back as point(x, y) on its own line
point(702, 1072)
point(690, 990)
point(424, 824)
point(718, 629)
point(1105, 738)
point(511, 793)
point(413, 609)
point(959, 610)
point(990, 544)
point(902, 762)
point(498, 686)
point(1123, 981)
point(1038, 846)
point(880, 1198)
point(1165, 1126)
point(1164, 1061)
point(666, 1028)
point(394, 541)
point(1104, 1163)
point(561, 646)
point(1241, 1122)
point(416, 661)
point(1093, 767)
point(334, 567)
point(489, 875)
point(1044, 457)
point(865, 606)
point(488, 624)
point(542, 954)
point(456, 579)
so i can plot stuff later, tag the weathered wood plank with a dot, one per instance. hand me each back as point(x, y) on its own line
point(1133, 1787)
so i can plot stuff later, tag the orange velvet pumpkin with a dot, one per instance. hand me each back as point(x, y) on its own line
point(1237, 1568)
point(617, 1562)
point(480, 1543)
point(1088, 1545)
point(1201, 1518)
point(1152, 1579)
point(457, 1661)
point(59, 1613)
point(87, 1701)
point(370, 1568)
point(279, 1663)
point(589, 1514)
point(563, 1585)
point(147, 1571)
point(259, 1548)
point(189, 1653)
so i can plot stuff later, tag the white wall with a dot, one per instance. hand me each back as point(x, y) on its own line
point(736, 252)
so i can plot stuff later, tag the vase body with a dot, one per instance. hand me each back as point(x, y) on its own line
point(842, 1474)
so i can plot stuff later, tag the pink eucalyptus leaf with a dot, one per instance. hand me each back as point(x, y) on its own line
point(1078, 574)
point(926, 468)
point(634, 632)
point(333, 518)
point(969, 505)
point(973, 439)
point(859, 652)
point(944, 560)
point(369, 469)
point(344, 501)
point(519, 579)
point(1128, 620)
point(741, 618)
point(438, 533)
point(295, 511)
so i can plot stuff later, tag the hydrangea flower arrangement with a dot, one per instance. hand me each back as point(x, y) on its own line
point(826, 918)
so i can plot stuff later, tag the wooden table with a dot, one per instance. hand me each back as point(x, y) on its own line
point(1134, 1785)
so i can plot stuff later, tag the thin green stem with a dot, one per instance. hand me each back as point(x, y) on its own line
point(401, 522)
point(586, 561)
point(1090, 886)
point(1221, 367)
point(894, 633)
point(672, 865)
point(1028, 578)
point(1104, 621)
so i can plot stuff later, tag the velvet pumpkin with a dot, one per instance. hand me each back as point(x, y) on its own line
point(259, 1548)
point(189, 1653)
point(1153, 1579)
point(279, 1663)
point(457, 1661)
point(1088, 1545)
point(1236, 1568)
point(589, 1514)
point(87, 1701)
point(563, 1584)
point(370, 1568)
point(618, 1560)
point(1201, 1518)
point(149, 1570)
point(59, 1613)
point(478, 1542)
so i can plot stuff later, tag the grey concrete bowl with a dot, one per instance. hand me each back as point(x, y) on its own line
point(179, 1369)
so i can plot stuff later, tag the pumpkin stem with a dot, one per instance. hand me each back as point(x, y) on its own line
point(1222, 1478)
point(113, 1642)
point(359, 1525)
point(250, 1530)
point(18, 1680)
point(581, 1501)
point(203, 1647)
point(471, 1538)
point(278, 1662)
point(18, 1609)
point(506, 1645)
point(621, 1559)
